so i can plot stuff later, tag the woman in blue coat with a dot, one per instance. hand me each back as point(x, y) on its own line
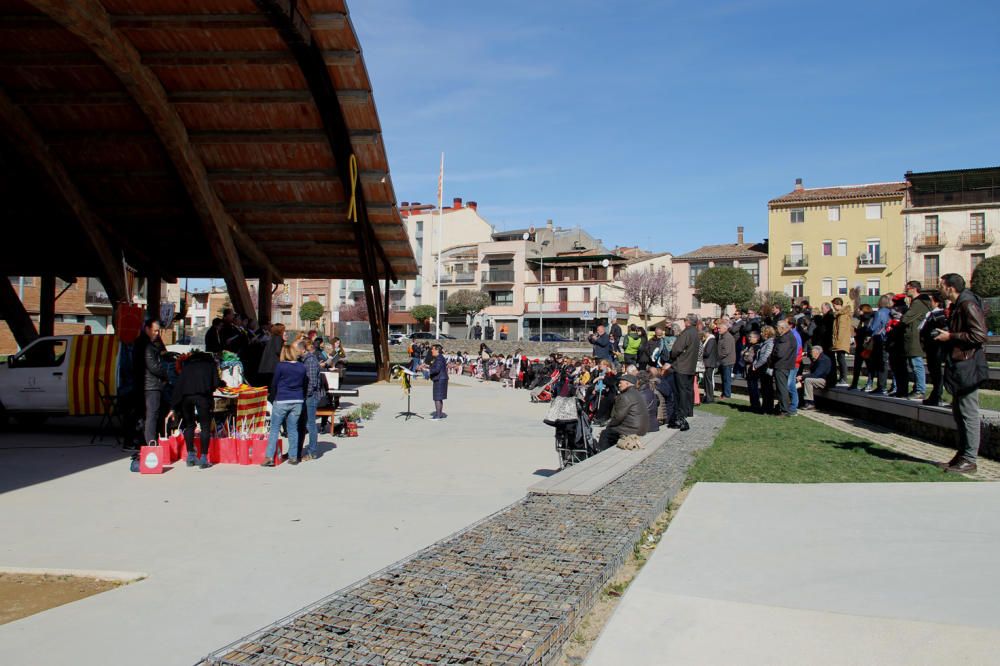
point(438, 373)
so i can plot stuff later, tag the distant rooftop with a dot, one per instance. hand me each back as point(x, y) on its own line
point(841, 192)
point(726, 251)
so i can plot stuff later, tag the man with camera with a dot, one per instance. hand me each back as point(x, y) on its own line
point(965, 367)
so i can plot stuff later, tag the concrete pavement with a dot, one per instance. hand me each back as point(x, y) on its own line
point(817, 574)
point(230, 549)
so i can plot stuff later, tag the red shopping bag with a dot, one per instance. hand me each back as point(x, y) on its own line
point(213, 451)
point(243, 447)
point(227, 451)
point(258, 447)
point(151, 459)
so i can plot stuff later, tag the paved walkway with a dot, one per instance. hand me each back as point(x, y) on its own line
point(819, 574)
point(230, 549)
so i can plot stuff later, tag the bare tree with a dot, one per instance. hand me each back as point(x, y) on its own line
point(649, 288)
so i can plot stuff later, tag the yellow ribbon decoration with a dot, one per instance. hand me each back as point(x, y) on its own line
point(352, 209)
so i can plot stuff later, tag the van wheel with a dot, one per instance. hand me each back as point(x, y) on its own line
point(30, 420)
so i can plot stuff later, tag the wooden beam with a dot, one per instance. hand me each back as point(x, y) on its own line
point(176, 21)
point(87, 20)
point(264, 294)
point(17, 318)
point(47, 306)
point(33, 149)
point(153, 294)
point(199, 58)
point(276, 136)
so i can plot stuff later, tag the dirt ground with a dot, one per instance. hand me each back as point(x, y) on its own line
point(22, 595)
point(576, 649)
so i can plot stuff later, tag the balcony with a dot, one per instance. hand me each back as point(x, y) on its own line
point(976, 239)
point(97, 298)
point(458, 278)
point(876, 260)
point(930, 241)
point(796, 262)
point(498, 277)
point(931, 280)
point(561, 306)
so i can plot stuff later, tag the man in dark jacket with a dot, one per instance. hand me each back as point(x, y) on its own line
point(601, 342)
point(615, 334)
point(727, 358)
point(936, 318)
point(629, 416)
point(150, 375)
point(213, 337)
point(193, 393)
point(819, 373)
point(784, 364)
point(684, 366)
point(965, 367)
point(914, 351)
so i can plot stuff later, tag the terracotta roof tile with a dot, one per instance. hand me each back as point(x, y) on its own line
point(726, 251)
point(842, 193)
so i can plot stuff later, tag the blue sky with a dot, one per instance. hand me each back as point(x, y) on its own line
point(668, 124)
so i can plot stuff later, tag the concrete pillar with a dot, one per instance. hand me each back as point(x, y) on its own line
point(47, 306)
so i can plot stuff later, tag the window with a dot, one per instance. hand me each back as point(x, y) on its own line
point(16, 280)
point(798, 289)
point(977, 258)
point(695, 301)
point(873, 250)
point(501, 298)
point(833, 213)
point(798, 215)
point(753, 268)
point(977, 227)
point(873, 288)
point(442, 300)
point(842, 286)
point(842, 248)
point(827, 248)
point(43, 354)
point(586, 294)
point(930, 228)
point(873, 211)
point(694, 271)
point(932, 264)
point(827, 287)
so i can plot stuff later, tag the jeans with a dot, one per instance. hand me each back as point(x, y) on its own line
point(965, 409)
point(840, 358)
point(793, 391)
point(781, 378)
point(311, 404)
point(727, 380)
point(284, 413)
point(152, 424)
point(919, 374)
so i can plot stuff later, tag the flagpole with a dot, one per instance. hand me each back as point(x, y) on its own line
point(437, 305)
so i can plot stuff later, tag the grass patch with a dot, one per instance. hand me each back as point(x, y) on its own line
point(753, 448)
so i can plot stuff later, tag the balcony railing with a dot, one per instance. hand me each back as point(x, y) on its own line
point(562, 306)
point(97, 298)
point(458, 278)
point(976, 239)
point(490, 277)
point(930, 280)
point(930, 241)
point(872, 260)
point(796, 261)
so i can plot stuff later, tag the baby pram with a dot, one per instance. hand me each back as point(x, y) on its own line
point(543, 393)
point(574, 436)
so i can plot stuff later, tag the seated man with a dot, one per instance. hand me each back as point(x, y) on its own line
point(819, 370)
point(629, 416)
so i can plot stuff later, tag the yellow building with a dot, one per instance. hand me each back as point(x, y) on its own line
point(826, 241)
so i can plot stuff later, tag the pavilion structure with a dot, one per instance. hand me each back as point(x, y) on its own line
point(201, 138)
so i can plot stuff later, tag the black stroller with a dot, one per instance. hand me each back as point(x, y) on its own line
point(574, 437)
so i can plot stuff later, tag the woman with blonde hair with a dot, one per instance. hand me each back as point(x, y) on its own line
point(289, 389)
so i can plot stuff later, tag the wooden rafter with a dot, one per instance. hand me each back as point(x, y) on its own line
point(34, 150)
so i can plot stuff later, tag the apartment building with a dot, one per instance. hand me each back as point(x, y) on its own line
point(751, 257)
point(951, 220)
point(825, 241)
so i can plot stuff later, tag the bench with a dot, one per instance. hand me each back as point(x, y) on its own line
point(594, 473)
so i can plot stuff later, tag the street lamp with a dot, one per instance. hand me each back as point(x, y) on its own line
point(597, 310)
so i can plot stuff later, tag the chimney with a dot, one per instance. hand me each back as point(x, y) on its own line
point(473, 205)
point(457, 203)
point(798, 185)
point(739, 235)
point(548, 224)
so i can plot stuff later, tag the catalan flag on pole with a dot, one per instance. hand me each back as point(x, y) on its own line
point(441, 184)
point(93, 366)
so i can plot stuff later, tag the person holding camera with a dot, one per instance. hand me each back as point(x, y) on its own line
point(965, 367)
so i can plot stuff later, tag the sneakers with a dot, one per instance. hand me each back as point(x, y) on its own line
point(932, 403)
point(267, 463)
point(307, 457)
point(916, 396)
point(808, 407)
point(962, 467)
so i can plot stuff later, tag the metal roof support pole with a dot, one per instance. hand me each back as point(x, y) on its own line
point(47, 305)
point(16, 316)
point(264, 294)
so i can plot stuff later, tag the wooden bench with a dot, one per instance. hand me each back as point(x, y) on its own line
point(595, 472)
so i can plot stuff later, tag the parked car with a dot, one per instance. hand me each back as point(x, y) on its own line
point(550, 337)
point(427, 335)
point(397, 338)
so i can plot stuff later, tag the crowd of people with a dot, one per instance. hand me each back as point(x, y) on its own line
point(909, 342)
point(263, 356)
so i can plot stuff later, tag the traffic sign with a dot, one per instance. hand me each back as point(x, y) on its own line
point(587, 315)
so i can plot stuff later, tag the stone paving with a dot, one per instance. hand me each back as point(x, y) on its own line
point(507, 590)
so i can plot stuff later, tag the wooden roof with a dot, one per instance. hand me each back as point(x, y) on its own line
point(189, 133)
